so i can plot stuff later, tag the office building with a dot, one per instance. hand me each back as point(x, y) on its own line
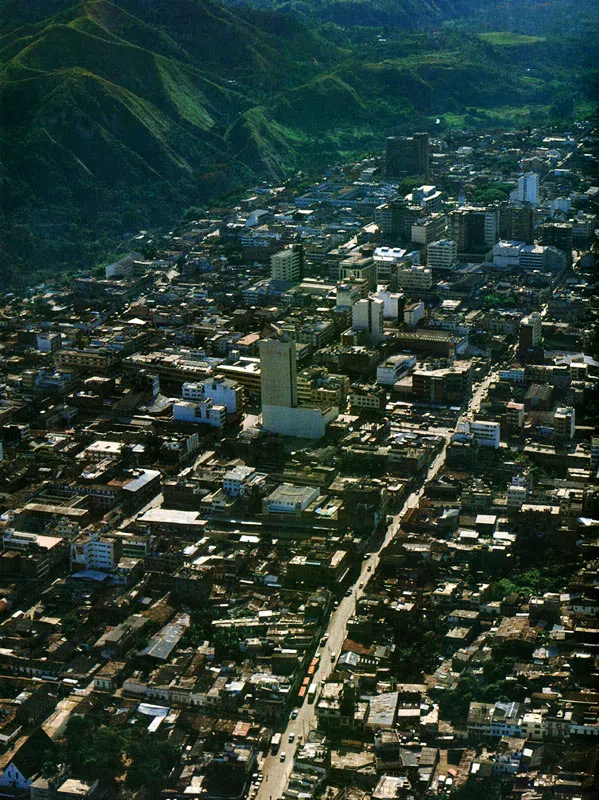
point(280, 411)
point(278, 370)
point(527, 190)
point(220, 390)
point(531, 330)
point(354, 270)
point(396, 218)
point(367, 316)
point(288, 265)
point(414, 279)
point(442, 254)
point(558, 234)
point(413, 313)
point(516, 223)
point(446, 385)
point(429, 229)
point(407, 156)
point(475, 230)
point(391, 370)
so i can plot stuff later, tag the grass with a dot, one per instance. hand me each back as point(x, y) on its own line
point(508, 39)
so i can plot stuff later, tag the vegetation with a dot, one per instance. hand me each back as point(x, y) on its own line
point(93, 750)
point(118, 115)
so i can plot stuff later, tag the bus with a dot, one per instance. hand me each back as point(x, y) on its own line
point(312, 693)
point(275, 743)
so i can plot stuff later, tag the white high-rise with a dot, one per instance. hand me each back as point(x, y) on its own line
point(367, 316)
point(527, 190)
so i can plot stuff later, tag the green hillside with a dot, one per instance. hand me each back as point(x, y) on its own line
point(117, 115)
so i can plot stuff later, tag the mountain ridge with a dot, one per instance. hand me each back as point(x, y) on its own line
point(113, 122)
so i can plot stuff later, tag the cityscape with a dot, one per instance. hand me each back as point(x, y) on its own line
point(300, 500)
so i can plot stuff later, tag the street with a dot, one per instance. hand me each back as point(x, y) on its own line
point(276, 772)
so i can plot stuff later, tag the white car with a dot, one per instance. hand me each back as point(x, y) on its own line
point(283, 756)
point(291, 737)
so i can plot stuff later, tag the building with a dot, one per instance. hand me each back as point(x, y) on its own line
point(430, 229)
point(394, 367)
point(290, 499)
point(485, 434)
point(363, 397)
point(442, 254)
point(564, 424)
point(413, 313)
point(396, 218)
point(487, 720)
point(516, 223)
point(205, 411)
point(367, 316)
point(527, 190)
point(220, 390)
point(278, 373)
point(357, 269)
point(316, 387)
point(288, 265)
point(444, 386)
point(531, 331)
point(558, 234)
point(280, 411)
point(414, 278)
point(94, 551)
point(429, 198)
point(514, 417)
point(407, 156)
point(475, 230)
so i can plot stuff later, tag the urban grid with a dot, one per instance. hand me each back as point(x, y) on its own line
point(301, 499)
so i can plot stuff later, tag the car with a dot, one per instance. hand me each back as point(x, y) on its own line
point(294, 714)
point(283, 756)
point(361, 586)
point(291, 738)
point(369, 568)
point(348, 593)
point(333, 655)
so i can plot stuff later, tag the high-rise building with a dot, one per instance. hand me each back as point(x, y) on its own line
point(475, 230)
point(395, 219)
point(288, 264)
point(407, 156)
point(527, 190)
point(442, 254)
point(278, 370)
point(516, 223)
point(531, 330)
point(280, 411)
point(558, 234)
point(367, 316)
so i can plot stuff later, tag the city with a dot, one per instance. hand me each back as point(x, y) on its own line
point(301, 499)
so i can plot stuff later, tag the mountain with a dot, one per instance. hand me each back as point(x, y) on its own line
point(118, 115)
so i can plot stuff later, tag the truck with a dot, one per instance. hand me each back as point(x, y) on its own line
point(275, 743)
